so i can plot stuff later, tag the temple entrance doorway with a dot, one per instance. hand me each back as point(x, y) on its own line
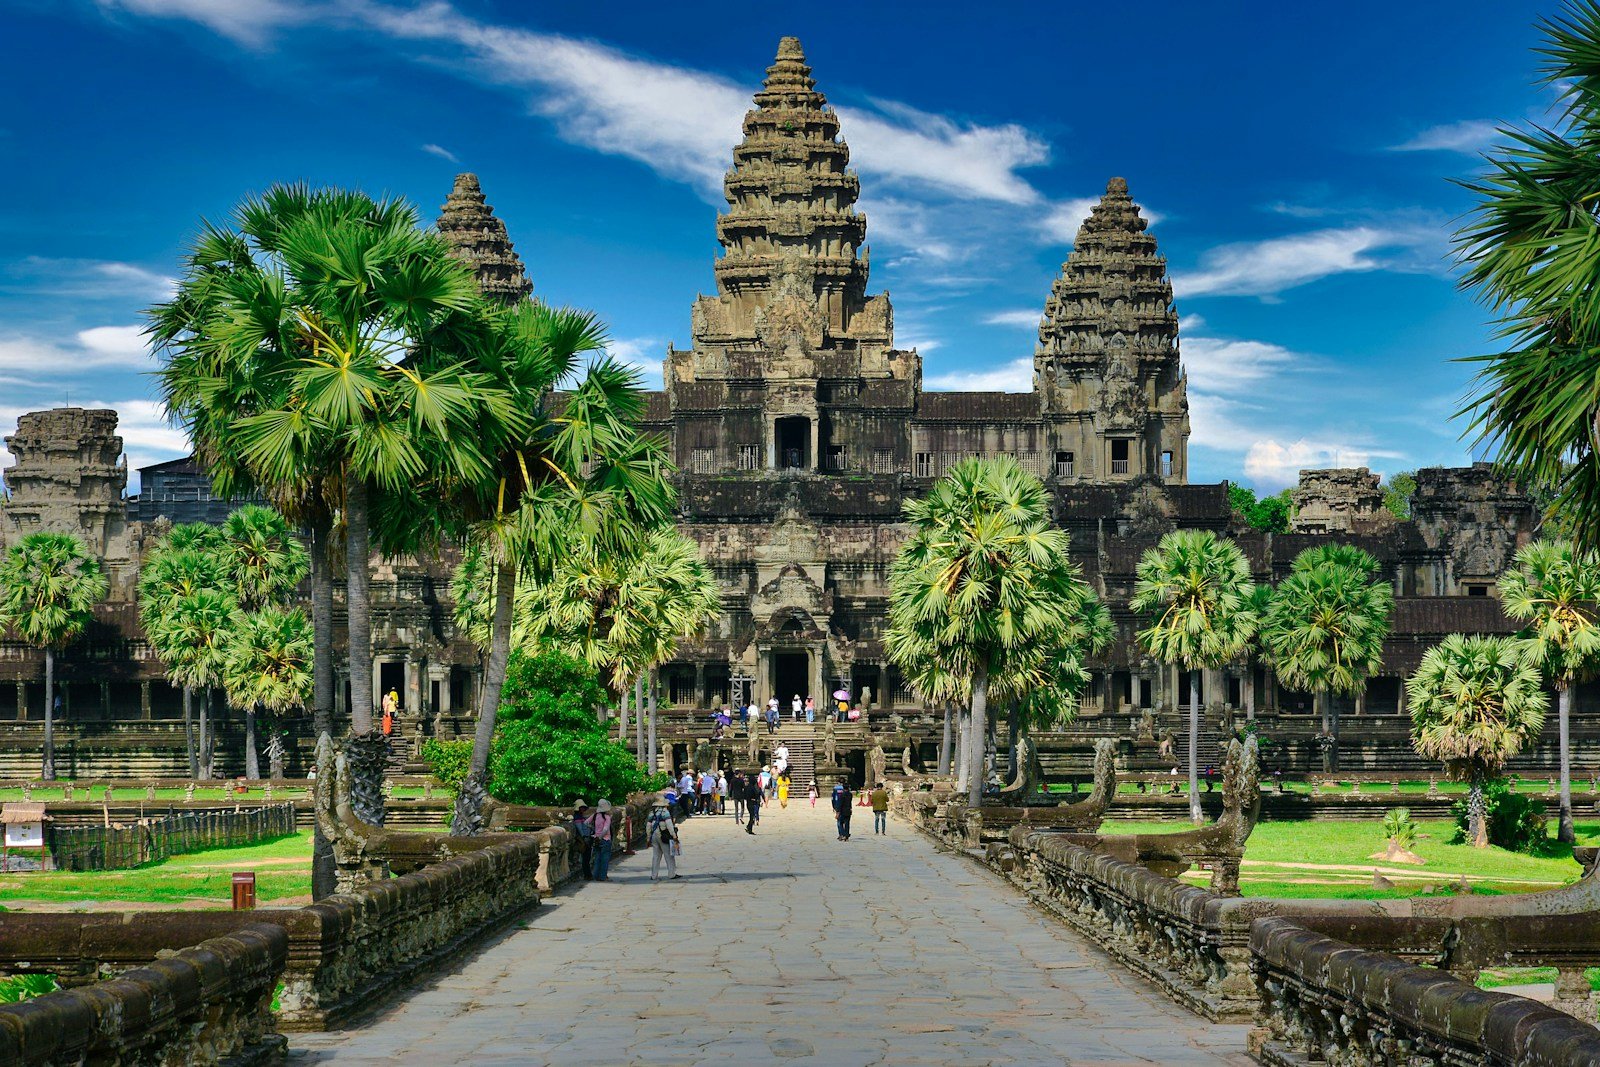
point(790, 675)
point(794, 443)
point(391, 676)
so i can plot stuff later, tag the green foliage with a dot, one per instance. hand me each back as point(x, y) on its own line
point(1553, 586)
point(1529, 251)
point(1400, 828)
point(1196, 589)
point(1269, 513)
point(1326, 622)
point(268, 661)
point(1397, 493)
point(21, 987)
point(49, 584)
point(1475, 703)
point(448, 760)
point(549, 748)
point(1516, 822)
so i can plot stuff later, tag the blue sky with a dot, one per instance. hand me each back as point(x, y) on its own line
point(1296, 157)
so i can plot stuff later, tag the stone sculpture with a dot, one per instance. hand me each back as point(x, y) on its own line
point(878, 760)
point(1029, 776)
point(830, 745)
point(358, 847)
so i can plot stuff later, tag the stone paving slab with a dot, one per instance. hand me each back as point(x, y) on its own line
point(787, 947)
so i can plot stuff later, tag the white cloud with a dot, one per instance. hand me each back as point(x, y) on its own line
point(1273, 465)
point(1060, 223)
point(92, 350)
point(246, 21)
point(442, 153)
point(1470, 136)
point(1263, 268)
point(1224, 366)
point(647, 355)
point(965, 159)
point(1013, 377)
point(90, 278)
point(1021, 318)
point(1190, 323)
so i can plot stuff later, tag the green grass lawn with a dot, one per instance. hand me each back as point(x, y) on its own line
point(1306, 858)
point(282, 868)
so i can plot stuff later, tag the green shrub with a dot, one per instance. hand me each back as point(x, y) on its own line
point(17, 988)
point(447, 760)
point(1399, 828)
point(1517, 822)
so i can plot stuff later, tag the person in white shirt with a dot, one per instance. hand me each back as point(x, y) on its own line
point(796, 704)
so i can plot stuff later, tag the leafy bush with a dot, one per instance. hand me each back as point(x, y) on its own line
point(16, 989)
point(1399, 828)
point(1271, 513)
point(447, 760)
point(549, 748)
point(1517, 822)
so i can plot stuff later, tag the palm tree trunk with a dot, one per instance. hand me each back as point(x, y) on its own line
point(655, 692)
point(1321, 702)
point(205, 736)
point(944, 742)
point(1013, 731)
point(48, 770)
point(961, 750)
point(980, 719)
point(1564, 829)
point(188, 731)
point(365, 749)
point(474, 789)
point(1194, 749)
point(638, 717)
point(1477, 813)
point(1333, 731)
point(324, 875)
point(622, 716)
point(252, 762)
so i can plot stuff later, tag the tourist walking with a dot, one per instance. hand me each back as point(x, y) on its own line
point(686, 793)
point(794, 706)
point(811, 710)
point(583, 829)
point(752, 803)
point(880, 810)
point(813, 793)
point(842, 800)
point(708, 785)
point(783, 789)
point(602, 841)
point(662, 834)
point(719, 796)
point(736, 789)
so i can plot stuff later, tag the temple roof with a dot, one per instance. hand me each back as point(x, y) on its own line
point(978, 407)
point(479, 238)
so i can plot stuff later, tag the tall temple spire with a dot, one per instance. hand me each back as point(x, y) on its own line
point(478, 238)
point(791, 196)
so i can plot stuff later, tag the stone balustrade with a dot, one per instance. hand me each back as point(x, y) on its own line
point(208, 1004)
point(1326, 1001)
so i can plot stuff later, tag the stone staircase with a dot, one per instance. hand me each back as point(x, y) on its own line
point(800, 738)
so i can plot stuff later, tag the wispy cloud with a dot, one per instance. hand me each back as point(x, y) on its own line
point(1274, 465)
point(1021, 318)
point(250, 22)
point(1470, 136)
point(644, 354)
point(441, 152)
point(95, 278)
point(1266, 268)
point(92, 350)
point(1013, 377)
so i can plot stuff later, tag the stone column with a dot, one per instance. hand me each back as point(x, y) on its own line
point(1400, 704)
point(413, 690)
point(144, 700)
point(1361, 701)
point(818, 684)
point(377, 686)
point(22, 701)
point(885, 698)
point(105, 700)
point(761, 687)
point(699, 684)
point(1248, 684)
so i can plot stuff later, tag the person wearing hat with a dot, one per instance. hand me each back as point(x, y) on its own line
point(602, 841)
point(583, 829)
point(662, 834)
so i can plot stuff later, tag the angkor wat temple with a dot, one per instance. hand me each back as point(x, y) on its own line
point(800, 430)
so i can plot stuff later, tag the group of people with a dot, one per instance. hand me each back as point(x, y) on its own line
point(844, 800)
point(801, 709)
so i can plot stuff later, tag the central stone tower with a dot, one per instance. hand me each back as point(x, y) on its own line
point(784, 352)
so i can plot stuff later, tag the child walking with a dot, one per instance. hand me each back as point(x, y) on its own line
point(812, 792)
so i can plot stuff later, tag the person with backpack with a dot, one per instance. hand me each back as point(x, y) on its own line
point(602, 841)
point(583, 828)
point(842, 799)
point(662, 833)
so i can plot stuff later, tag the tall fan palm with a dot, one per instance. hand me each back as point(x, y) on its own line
point(263, 555)
point(1553, 587)
point(49, 585)
point(983, 580)
point(1475, 703)
point(1195, 587)
point(184, 562)
point(1325, 626)
point(320, 349)
point(1530, 250)
point(268, 668)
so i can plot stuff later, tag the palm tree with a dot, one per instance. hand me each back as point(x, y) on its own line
point(1475, 703)
point(182, 563)
point(982, 581)
point(263, 555)
point(320, 350)
point(1553, 586)
point(1325, 625)
point(196, 630)
point(268, 668)
point(1528, 251)
point(1195, 587)
point(49, 584)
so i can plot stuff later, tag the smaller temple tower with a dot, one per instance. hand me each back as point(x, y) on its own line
point(69, 477)
point(478, 238)
point(1106, 368)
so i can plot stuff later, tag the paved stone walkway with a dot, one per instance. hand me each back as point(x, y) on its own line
point(788, 945)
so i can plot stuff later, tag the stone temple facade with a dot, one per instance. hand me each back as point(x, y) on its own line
point(801, 429)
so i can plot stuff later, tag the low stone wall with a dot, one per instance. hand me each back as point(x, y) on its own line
point(1326, 1001)
point(207, 1004)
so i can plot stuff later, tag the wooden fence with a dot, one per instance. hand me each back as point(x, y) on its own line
point(102, 848)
